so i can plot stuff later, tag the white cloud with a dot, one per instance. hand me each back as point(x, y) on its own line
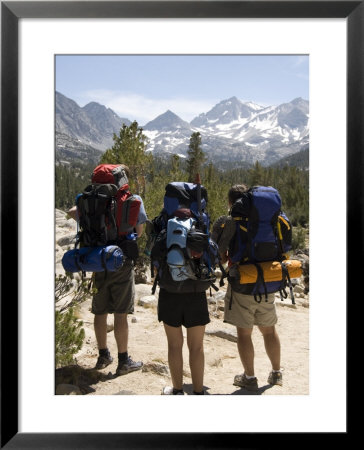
point(143, 109)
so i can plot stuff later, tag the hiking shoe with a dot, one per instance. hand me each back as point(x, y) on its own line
point(275, 378)
point(251, 384)
point(103, 361)
point(168, 390)
point(128, 366)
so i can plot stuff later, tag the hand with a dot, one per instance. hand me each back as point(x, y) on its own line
point(224, 257)
point(155, 270)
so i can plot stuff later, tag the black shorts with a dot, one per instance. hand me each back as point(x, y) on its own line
point(189, 310)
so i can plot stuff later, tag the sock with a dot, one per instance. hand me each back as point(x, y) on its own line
point(104, 352)
point(249, 377)
point(176, 391)
point(275, 371)
point(122, 356)
point(199, 393)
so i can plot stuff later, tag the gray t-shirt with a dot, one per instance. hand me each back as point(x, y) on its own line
point(142, 217)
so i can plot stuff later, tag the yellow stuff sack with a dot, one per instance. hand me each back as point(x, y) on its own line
point(272, 271)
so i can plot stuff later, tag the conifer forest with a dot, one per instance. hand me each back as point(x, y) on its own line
point(149, 174)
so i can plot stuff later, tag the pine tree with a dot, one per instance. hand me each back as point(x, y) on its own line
point(130, 149)
point(176, 172)
point(196, 157)
point(256, 175)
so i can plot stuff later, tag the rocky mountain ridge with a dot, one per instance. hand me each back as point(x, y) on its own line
point(93, 125)
point(231, 131)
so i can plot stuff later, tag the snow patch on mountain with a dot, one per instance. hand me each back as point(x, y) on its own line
point(231, 131)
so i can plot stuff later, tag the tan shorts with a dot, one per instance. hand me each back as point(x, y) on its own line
point(245, 312)
point(116, 291)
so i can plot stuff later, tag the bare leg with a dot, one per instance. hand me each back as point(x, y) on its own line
point(195, 337)
point(175, 357)
point(121, 332)
point(272, 346)
point(100, 326)
point(246, 349)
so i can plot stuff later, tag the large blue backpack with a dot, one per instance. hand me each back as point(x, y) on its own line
point(179, 242)
point(263, 235)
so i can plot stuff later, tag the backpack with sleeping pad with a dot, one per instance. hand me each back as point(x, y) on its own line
point(178, 241)
point(258, 251)
point(107, 213)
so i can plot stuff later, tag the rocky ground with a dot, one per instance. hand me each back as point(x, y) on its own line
point(147, 343)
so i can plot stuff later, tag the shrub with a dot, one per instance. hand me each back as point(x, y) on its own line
point(299, 238)
point(66, 285)
point(69, 334)
point(69, 337)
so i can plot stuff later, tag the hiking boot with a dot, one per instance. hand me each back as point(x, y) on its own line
point(167, 390)
point(103, 361)
point(275, 378)
point(128, 366)
point(250, 384)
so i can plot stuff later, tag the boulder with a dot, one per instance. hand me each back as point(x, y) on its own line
point(110, 323)
point(147, 301)
point(67, 240)
point(59, 214)
point(303, 256)
point(298, 289)
point(156, 367)
point(142, 290)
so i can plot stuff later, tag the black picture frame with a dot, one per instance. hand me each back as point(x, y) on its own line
point(11, 12)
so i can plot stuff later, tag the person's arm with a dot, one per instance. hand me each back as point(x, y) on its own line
point(227, 234)
point(139, 229)
point(142, 218)
point(72, 212)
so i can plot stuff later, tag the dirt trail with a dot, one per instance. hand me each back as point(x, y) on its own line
point(147, 342)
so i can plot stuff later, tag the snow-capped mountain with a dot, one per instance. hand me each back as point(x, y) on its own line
point(167, 133)
point(227, 112)
point(167, 122)
point(231, 131)
point(254, 125)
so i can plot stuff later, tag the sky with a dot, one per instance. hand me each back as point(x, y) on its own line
point(141, 87)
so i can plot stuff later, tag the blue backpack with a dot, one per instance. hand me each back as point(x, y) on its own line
point(263, 234)
point(179, 242)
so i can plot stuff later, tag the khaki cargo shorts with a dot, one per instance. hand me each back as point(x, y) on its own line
point(116, 291)
point(245, 312)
